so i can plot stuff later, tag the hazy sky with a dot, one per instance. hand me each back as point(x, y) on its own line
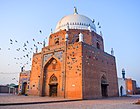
point(21, 20)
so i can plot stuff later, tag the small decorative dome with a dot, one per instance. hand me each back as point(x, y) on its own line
point(75, 21)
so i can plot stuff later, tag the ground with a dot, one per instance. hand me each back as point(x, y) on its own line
point(106, 103)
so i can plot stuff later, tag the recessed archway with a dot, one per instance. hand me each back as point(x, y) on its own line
point(24, 88)
point(53, 83)
point(121, 90)
point(50, 81)
point(104, 85)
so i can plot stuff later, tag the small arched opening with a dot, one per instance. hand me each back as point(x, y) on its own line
point(121, 90)
point(53, 86)
point(24, 88)
point(104, 85)
point(98, 45)
point(56, 41)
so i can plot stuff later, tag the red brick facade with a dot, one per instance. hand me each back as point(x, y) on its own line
point(80, 70)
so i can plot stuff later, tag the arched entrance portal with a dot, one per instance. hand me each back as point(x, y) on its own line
point(104, 85)
point(52, 71)
point(24, 88)
point(53, 86)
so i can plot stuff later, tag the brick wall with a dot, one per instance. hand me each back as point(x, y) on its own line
point(97, 63)
point(79, 69)
point(74, 71)
point(35, 74)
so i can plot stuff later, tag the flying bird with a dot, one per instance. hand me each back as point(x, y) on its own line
point(13, 78)
point(27, 55)
point(44, 43)
point(40, 31)
point(24, 45)
point(18, 49)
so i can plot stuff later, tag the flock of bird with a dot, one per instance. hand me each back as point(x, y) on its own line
point(24, 51)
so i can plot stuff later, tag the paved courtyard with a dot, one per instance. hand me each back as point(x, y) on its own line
point(5, 98)
point(107, 103)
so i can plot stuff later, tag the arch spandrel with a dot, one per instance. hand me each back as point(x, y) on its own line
point(50, 61)
point(57, 55)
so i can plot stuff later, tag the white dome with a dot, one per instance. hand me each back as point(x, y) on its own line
point(75, 21)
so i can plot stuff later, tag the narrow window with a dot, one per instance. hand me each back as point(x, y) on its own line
point(98, 45)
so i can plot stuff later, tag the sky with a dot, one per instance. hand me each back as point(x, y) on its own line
point(22, 20)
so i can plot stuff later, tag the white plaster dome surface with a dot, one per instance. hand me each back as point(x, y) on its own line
point(75, 21)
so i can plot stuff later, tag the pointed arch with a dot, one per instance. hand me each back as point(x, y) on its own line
point(50, 80)
point(50, 60)
point(103, 79)
point(53, 79)
point(104, 85)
